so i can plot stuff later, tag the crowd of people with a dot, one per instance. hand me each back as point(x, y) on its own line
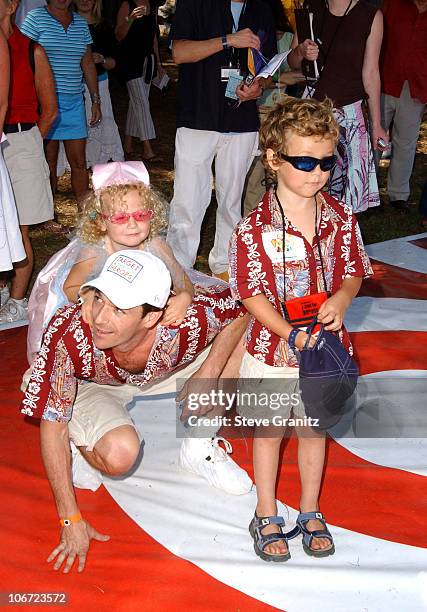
point(121, 307)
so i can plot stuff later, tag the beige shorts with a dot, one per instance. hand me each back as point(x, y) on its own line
point(99, 409)
point(29, 175)
point(267, 391)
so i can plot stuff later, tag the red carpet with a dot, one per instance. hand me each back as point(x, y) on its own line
point(133, 571)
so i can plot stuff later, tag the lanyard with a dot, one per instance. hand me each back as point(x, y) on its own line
point(325, 54)
point(232, 53)
point(283, 245)
point(236, 25)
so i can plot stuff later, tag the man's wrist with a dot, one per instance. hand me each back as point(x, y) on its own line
point(224, 42)
point(67, 521)
point(95, 98)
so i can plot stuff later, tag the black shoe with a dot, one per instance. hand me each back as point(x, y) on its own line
point(400, 205)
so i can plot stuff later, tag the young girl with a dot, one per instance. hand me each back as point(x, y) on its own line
point(122, 212)
point(297, 242)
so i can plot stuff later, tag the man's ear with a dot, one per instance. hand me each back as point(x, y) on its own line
point(152, 318)
point(272, 160)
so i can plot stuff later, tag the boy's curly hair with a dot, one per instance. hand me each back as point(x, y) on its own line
point(89, 227)
point(307, 117)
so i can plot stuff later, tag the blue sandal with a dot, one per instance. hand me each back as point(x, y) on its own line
point(307, 536)
point(261, 541)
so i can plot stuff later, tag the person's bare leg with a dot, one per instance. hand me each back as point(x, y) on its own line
point(128, 144)
point(266, 460)
point(23, 269)
point(75, 151)
point(311, 459)
point(147, 149)
point(51, 150)
point(116, 452)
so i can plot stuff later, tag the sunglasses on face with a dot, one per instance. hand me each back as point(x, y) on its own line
point(308, 164)
point(123, 217)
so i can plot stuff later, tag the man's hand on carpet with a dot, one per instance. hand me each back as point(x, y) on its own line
point(75, 542)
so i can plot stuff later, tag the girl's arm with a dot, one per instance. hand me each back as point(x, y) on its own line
point(180, 280)
point(371, 78)
point(307, 50)
point(4, 78)
point(182, 286)
point(77, 276)
point(267, 315)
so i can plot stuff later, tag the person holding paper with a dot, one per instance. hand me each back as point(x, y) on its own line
point(210, 42)
point(348, 36)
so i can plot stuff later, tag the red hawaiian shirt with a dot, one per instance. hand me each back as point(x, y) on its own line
point(256, 265)
point(69, 356)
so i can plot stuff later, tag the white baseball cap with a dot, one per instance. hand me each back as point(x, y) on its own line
point(131, 278)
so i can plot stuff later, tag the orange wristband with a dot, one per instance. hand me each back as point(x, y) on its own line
point(70, 520)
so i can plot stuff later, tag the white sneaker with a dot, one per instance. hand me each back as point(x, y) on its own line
point(84, 475)
point(204, 456)
point(14, 310)
point(4, 295)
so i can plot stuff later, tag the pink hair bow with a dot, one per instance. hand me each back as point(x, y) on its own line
point(119, 173)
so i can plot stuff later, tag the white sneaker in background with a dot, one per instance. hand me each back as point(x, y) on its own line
point(13, 311)
point(4, 295)
point(204, 457)
point(84, 475)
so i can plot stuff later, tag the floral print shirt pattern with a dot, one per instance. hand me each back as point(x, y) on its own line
point(68, 355)
point(256, 265)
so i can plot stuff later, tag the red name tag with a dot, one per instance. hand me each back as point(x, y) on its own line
point(301, 311)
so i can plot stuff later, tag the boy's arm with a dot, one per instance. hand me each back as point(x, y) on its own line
point(267, 315)
point(331, 312)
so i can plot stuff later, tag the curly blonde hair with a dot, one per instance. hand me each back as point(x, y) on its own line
point(295, 116)
point(94, 205)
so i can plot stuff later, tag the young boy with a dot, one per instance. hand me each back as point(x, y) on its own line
point(323, 253)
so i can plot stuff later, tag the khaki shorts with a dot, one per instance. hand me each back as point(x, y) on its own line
point(29, 174)
point(273, 391)
point(100, 408)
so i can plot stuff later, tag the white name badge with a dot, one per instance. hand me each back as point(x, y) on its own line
point(273, 246)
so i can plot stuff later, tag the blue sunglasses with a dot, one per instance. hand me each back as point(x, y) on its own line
point(308, 164)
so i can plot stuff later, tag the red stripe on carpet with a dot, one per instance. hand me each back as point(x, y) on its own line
point(379, 351)
point(356, 494)
point(392, 281)
point(131, 572)
point(419, 242)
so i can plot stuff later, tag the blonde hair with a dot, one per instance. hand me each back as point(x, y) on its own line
point(307, 117)
point(94, 205)
point(96, 10)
